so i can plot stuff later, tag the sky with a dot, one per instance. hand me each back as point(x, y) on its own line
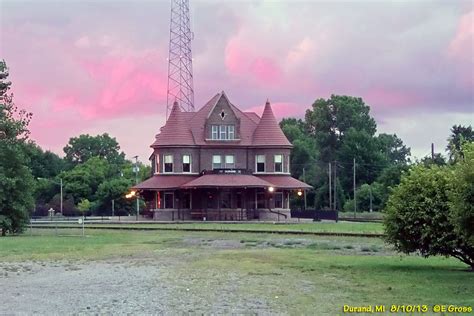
point(101, 66)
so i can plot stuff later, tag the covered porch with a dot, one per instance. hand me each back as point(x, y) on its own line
point(221, 197)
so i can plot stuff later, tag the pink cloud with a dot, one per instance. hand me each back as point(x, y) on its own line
point(265, 70)
point(461, 50)
point(462, 44)
point(384, 97)
point(242, 61)
point(119, 86)
point(282, 109)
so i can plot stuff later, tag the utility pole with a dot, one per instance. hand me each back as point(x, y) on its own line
point(113, 208)
point(355, 197)
point(136, 182)
point(370, 192)
point(330, 187)
point(432, 152)
point(61, 183)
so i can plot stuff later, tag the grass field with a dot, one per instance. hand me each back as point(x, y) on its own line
point(266, 273)
point(331, 227)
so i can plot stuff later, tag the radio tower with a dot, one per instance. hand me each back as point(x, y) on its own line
point(180, 61)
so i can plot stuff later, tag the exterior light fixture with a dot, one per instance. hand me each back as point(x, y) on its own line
point(300, 193)
point(271, 189)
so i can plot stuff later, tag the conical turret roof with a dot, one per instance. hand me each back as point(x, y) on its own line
point(268, 132)
point(176, 130)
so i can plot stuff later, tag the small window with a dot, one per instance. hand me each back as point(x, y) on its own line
point(229, 162)
point(216, 162)
point(230, 132)
point(186, 163)
point(278, 163)
point(215, 132)
point(278, 200)
point(168, 163)
point(223, 132)
point(157, 163)
point(288, 164)
point(260, 161)
point(169, 200)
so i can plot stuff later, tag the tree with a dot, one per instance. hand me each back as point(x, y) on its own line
point(393, 149)
point(337, 131)
point(84, 206)
point(365, 193)
point(304, 150)
point(82, 148)
point(16, 181)
point(329, 120)
point(459, 135)
point(462, 195)
point(436, 159)
point(114, 189)
point(418, 216)
point(43, 164)
point(83, 181)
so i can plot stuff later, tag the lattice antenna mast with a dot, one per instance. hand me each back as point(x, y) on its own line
point(180, 61)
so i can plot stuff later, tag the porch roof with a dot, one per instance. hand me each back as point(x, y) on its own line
point(285, 182)
point(164, 182)
point(227, 180)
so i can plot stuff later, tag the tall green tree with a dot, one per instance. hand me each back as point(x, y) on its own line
point(337, 131)
point(461, 197)
point(329, 120)
point(393, 149)
point(82, 148)
point(84, 179)
point(16, 180)
point(459, 135)
point(304, 153)
point(43, 164)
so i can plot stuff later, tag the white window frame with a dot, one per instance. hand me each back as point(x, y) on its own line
point(275, 162)
point(220, 161)
point(190, 163)
point(223, 132)
point(264, 163)
point(157, 163)
point(164, 200)
point(164, 164)
point(288, 164)
point(214, 132)
point(230, 132)
point(227, 163)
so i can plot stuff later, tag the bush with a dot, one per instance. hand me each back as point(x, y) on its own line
point(419, 218)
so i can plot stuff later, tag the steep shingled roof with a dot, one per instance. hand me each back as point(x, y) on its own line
point(187, 128)
point(176, 130)
point(268, 131)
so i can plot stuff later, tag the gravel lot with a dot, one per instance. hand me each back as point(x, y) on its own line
point(121, 286)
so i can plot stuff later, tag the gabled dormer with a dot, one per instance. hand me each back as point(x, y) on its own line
point(222, 123)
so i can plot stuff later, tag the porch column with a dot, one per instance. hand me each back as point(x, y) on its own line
point(219, 202)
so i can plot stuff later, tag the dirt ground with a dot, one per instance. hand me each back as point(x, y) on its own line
point(125, 286)
point(146, 283)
